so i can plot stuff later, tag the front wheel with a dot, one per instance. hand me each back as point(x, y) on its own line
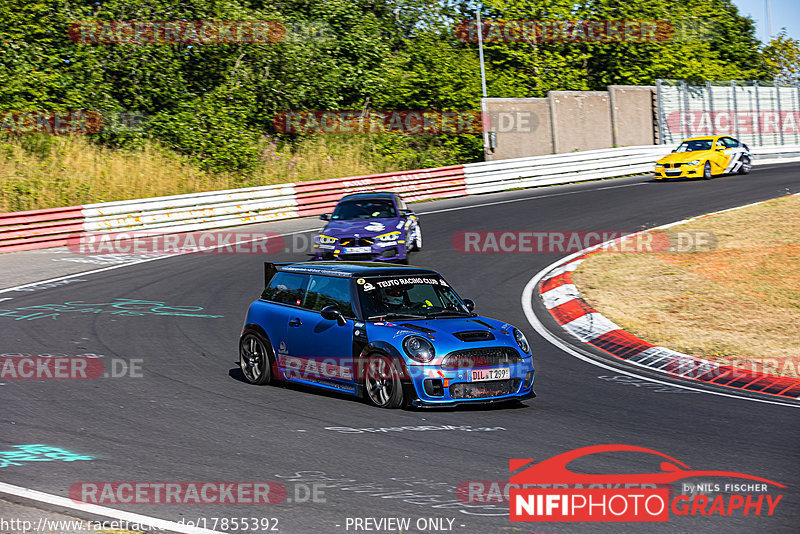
point(707, 171)
point(254, 358)
point(382, 384)
point(418, 238)
point(746, 165)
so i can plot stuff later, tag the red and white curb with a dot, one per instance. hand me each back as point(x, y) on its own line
point(555, 288)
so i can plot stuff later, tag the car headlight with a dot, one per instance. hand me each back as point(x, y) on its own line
point(326, 240)
point(693, 162)
point(391, 236)
point(659, 165)
point(522, 342)
point(418, 349)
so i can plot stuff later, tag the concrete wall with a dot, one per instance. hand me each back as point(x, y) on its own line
point(566, 121)
point(581, 120)
point(633, 118)
point(523, 125)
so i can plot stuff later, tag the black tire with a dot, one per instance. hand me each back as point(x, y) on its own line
point(382, 385)
point(746, 165)
point(418, 239)
point(255, 358)
point(707, 171)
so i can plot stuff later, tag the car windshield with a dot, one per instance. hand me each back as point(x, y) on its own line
point(695, 145)
point(364, 209)
point(408, 298)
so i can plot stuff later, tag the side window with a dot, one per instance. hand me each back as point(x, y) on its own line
point(287, 288)
point(328, 291)
point(730, 142)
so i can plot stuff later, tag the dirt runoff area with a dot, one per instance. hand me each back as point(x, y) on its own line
point(735, 300)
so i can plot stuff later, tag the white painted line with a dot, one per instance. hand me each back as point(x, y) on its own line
point(571, 266)
point(146, 260)
point(55, 500)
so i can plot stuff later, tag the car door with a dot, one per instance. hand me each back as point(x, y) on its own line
point(285, 294)
point(734, 151)
point(719, 158)
point(322, 349)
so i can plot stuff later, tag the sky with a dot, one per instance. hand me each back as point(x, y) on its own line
point(785, 13)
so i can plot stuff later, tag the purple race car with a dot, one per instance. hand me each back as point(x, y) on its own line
point(368, 227)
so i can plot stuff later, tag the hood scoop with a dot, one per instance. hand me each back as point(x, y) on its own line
point(474, 335)
point(418, 328)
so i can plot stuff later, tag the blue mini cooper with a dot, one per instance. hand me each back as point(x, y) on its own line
point(393, 334)
point(367, 227)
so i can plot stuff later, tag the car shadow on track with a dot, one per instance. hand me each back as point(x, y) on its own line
point(236, 374)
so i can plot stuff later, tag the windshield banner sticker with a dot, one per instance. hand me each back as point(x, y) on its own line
point(406, 281)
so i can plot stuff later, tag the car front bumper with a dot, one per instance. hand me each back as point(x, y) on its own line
point(392, 251)
point(433, 385)
point(684, 171)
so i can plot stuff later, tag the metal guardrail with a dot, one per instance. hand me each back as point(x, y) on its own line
point(217, 209)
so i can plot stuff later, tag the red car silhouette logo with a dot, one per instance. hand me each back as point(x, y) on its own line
point(554, 470)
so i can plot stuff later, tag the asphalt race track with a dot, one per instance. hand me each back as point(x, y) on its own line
point(190, 417)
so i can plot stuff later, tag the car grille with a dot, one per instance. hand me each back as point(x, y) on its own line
point(488, 357)
point(672, 165)
point(480, 390)
point(356, 241)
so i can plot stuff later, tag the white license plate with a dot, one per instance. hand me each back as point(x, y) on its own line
point(357, 250)
point(482, 375)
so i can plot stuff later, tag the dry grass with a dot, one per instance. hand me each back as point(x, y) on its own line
point(738, 304)
point(51, 171)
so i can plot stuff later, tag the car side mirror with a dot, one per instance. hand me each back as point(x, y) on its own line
point(332, 313)
point(325, 216)
point(470, 304)
point(406, 213)
point(673, 151)
point(720, 148)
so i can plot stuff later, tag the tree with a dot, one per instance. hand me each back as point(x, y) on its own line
point(782, 55)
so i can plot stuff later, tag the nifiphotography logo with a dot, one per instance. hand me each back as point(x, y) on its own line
point(549, 491)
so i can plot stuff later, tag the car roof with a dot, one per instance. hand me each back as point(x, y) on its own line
point(352, 269)
point(704, 137)
point(368, 195)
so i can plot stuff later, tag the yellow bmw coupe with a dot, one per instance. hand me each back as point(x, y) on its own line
point(705, 157)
